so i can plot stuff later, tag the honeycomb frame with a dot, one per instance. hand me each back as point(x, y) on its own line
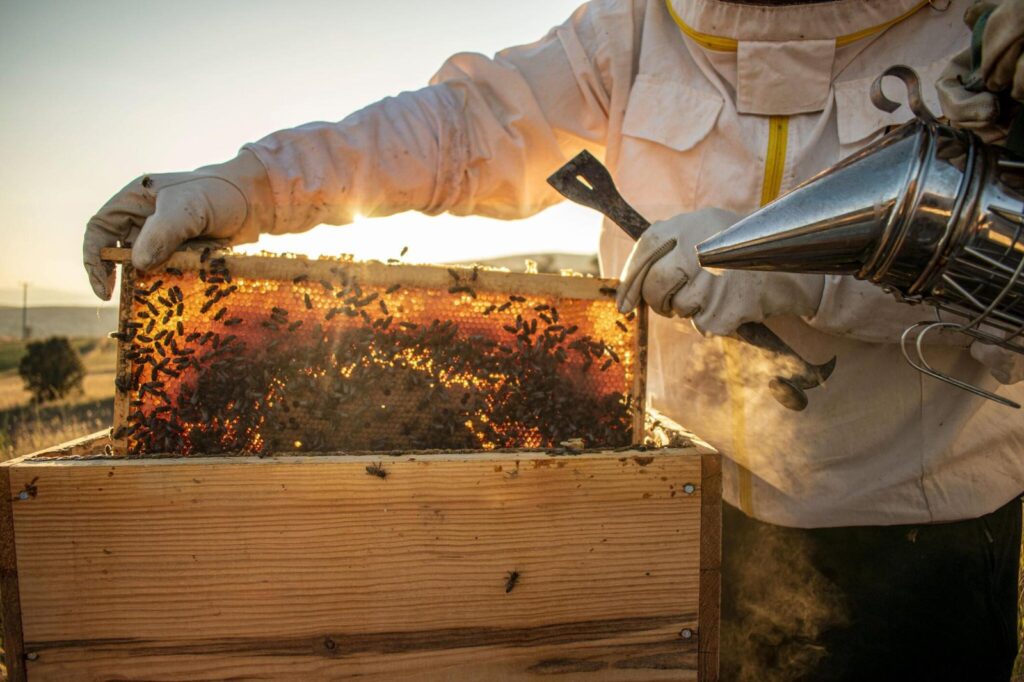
point(283, 297)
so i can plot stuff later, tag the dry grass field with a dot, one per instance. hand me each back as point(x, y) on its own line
point(25, 427)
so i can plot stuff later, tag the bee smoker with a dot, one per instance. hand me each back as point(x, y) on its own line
point(929, 212)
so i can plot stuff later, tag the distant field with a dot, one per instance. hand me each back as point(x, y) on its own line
point(25, 427)
point(81, 321)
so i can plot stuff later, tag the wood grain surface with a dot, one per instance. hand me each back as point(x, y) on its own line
point(300, 567)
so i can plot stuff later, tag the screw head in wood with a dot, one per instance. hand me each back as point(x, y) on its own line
point(689, 488)
point(686, 633)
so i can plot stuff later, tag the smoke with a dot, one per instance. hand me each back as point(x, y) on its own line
point(776, 605)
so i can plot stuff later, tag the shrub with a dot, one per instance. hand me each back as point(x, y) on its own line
point(51, 369)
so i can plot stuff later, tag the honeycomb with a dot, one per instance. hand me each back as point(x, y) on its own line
point(223, 353)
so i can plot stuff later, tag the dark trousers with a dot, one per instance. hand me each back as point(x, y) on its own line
point(868, 604)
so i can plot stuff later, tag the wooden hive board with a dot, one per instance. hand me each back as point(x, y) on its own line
point(309, 567)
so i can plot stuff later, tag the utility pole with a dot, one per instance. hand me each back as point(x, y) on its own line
point(24, 311)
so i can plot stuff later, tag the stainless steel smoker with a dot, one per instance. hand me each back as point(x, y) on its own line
point(929, 212)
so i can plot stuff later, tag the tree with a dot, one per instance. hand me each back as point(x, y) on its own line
point(51, 369)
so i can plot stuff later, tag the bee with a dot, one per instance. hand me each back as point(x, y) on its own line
point(173, 271)
point(405, 250)
point(232, 322)
point(462, 290)
point(454, 274)
point(393, 288)
point(326, 285)
point(377, 470)
point(299, 279)
point(205, 256)
point(309, 302)
point(618, 323)
point(511, 578)
point(220, 314)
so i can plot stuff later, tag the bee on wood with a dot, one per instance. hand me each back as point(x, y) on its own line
point(299, 279)
point(173, 271)
point(393, 288)
point(454, 274)
point(326, 285)
point(377, 470)
point(608, 291)
point(511, 578)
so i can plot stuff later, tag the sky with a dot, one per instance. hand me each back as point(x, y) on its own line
point(93, 94)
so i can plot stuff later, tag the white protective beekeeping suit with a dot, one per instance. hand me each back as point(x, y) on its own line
point(693, 104)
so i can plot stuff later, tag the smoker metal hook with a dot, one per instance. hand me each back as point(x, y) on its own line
point(914, 98)
point(921, 364)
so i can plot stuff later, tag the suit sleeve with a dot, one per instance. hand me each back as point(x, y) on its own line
point(862, 310)
point(481, 139)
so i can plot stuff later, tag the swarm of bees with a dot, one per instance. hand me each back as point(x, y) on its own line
point(216, 365)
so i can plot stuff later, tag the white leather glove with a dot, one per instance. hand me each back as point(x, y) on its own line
point(663, 270)
point(1005, 366)
point(227, 203)
point(967, 97)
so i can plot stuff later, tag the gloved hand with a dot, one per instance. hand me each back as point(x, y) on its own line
point(663, 270)
point(969, 98)
point(226, 203)
point(1005, 366)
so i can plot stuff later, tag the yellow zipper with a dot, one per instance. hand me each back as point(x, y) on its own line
point(721, 44)
point(771, 185)
point(775, 158)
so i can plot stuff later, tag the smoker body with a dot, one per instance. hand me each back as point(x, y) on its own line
point(929, 212)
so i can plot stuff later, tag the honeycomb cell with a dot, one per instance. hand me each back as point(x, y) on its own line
point(262, 354)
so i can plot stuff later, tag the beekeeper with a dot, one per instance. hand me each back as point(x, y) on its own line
point(897, 494)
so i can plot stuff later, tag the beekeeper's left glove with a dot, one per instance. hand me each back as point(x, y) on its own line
point(663, 270)
point(1005, 366)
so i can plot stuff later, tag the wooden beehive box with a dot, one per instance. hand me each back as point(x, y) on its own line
point(119, 561)
point(307, 567)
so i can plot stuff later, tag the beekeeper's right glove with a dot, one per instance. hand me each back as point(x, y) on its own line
point(227, 203)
